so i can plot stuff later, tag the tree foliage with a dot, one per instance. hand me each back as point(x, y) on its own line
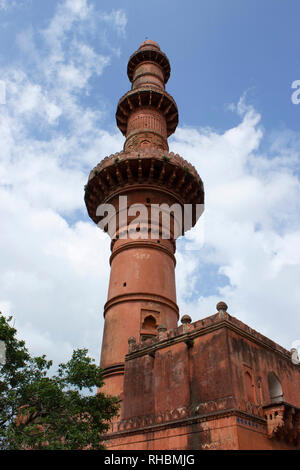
point(39, 411)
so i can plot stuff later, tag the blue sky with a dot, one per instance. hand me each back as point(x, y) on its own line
point(232, 66)
point(218, 50)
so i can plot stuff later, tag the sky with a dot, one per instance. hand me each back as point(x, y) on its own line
point(62, 71)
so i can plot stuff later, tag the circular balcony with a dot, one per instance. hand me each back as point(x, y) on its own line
point(150, 53)
point(147, 97)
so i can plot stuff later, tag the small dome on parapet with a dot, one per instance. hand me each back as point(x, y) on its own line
point(222, 306)
point(186, 319)
point(131, 339)
point(149, 43)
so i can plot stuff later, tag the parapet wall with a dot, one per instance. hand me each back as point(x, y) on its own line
point(200, 327)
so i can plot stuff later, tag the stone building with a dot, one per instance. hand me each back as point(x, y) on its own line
point(211, 384)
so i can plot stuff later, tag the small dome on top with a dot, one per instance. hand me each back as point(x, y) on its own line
point(149, 43)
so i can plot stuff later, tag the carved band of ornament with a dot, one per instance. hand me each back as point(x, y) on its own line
point(249, 407)
point(145, 122)
point(153, 154)
point(177, 414)
point(143, 138)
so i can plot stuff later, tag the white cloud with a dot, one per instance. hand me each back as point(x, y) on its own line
point(118, 19)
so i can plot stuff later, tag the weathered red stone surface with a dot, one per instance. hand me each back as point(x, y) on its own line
point(212, 384)
point(142, 293)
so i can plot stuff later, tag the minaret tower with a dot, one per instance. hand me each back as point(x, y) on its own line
point(142, 293)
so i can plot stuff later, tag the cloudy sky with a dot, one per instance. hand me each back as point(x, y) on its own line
point(62, 71)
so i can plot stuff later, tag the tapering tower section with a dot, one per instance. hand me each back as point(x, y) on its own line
point(147, 115)
point(129, 194)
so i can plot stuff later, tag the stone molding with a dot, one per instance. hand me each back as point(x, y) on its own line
point(141, 297)
point(114, 369)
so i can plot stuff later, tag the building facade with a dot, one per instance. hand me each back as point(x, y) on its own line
point(211, 384)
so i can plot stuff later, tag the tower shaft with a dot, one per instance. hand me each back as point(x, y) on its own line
point(142, 184)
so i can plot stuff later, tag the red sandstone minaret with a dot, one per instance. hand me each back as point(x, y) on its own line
point(142, 293)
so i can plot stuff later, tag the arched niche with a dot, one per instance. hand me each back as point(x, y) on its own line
point(149, 324)
point(275, 389)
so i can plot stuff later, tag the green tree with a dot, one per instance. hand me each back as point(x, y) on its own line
point(39, 411)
